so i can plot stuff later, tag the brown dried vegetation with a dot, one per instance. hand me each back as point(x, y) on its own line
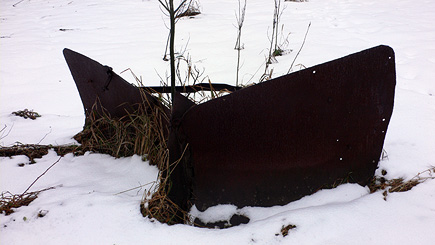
point(9, 201)
point(399, 184)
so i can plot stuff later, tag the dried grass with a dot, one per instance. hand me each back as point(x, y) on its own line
point(26, 113)
point(286, 229)
point(162, 209)
point(140, 132)
point(157, 205)
point(399, 184)
point(9, 201)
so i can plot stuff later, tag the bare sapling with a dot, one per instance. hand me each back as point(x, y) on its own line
point(240, 17)
point(299, 51)
point(174, 14)
point(274, 49)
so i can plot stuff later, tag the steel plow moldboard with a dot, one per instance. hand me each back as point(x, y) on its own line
point(277, 141)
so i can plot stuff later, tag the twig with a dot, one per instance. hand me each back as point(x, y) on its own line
point(14, 5)
point(291, 66)
point(41, 175)
point(4, 136)
point(4, 128)
point(152, 182)
point(166, 48)
point(44, 136)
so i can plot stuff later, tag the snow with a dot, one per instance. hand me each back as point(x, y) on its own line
point(91, 204)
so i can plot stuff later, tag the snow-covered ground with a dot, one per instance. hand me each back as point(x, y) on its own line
point(89, 205)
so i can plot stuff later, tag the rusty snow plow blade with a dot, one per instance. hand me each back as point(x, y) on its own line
point(277, 141)
point(268, 144)
point(102, 89)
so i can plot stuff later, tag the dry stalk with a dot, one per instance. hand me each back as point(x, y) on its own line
point(300, 49)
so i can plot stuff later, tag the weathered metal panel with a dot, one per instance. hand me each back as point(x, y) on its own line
point(277, 141)
point(99, 86)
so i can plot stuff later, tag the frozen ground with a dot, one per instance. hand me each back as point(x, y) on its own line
point(86, 207)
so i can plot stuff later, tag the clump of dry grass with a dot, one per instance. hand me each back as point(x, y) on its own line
point(139, 132)
point(161, 208)
point(26, 113)
point(285, 229)
point(399, 184)
point(9, 201)
point(157, 205)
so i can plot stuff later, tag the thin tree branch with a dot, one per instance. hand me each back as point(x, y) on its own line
point(291, 66)
point(181, 5)
point(164, 5)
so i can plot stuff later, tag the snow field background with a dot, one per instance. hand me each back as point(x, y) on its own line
point(85, 207)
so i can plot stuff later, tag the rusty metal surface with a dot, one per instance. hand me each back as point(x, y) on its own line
point(280, 140)
point(95, 81)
